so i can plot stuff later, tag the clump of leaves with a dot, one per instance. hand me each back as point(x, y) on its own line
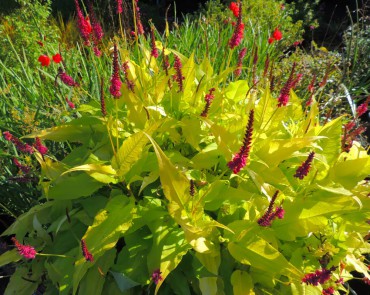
point(149, 198)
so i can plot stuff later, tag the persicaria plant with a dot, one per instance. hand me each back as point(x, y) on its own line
point(181, 180)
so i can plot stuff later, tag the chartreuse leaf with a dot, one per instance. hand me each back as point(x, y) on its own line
point(131, 150)
point(100, 172)
point(9, 256)
point(175, 184)
point(94, 280)
point(109, 224)
point(252, 249)
point(242, 283)
point(236, 91)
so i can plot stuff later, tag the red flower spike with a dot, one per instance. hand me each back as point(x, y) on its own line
point(24, 168)
point(238, 31)
point(40, 147)
point(84, 25)
point(21, 147)
point(269, 216)
point(267, 64)
point(240, 159)
point(361, 109)
point(178, 77)
point(154, 51)
point(139, 25)
point(44, 60)
point(95, 26)
point(7, 135)
point(57, 58)
point(311, 87)
point(119, 6)
point(66, 79)
point(208, 98)
point(115, 88)
point(156, 276)
point(88, 256)
point(234, 7)
point(328, 291)
point(284, 93)
point(26, 251)
point(303, 170)
point(70, 103)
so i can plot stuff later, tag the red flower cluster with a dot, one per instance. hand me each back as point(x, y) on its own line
point(240, 159)
point(26, 251)
point(22, 147)
point(362, 108)
point(178, 77)
point(88, 256)
point(156, 276)
point(283, 98)
point(270, 215)
point(66, 79)
point(276, 36)
point(115, 87)
point(139, 25)
point(24, 168)
point(303, 170)
point(89, 30)
point(45, 60)
point(238, 34)
point(40, 147)
point(208, 98)
point(350, 134)
point(318, 277)
point(328, 291)
point(119, 6)
point(154, 51)
point(70, 103)
point(234, 7)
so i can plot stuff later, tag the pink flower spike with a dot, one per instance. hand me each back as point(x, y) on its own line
point(115, 87)
point(26, 251)
point(240, 159)
point(156, 276)
point(178, 77)
point(66, 79)
point(361, 109)
point(40, 147)
point(285, 91)
point(154, 51)
point(303, 170)
point(119, 6)
point(7, 135)
point(84, 25)
point(88, 256)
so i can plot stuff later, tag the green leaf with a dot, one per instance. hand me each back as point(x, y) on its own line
point(242, 283)
point(94, 280)
point(69, 187)
point(18, 285)
point(123, 282)
point(9, 256)
point(109, 224)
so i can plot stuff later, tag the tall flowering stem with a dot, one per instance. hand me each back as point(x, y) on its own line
point(303, 170)
point(284, 93)
point(130, 84)
point(239, 65)
point(102, 99)
point(154, 51)
point(178, 77)
point(208, 98)
point(240, 159)
point(26, 251)
point(139, 25)
point(115, 87)
point(84, 25)
point(96, 29)
point(238, 34)
point(88, 256)
point(270, 214)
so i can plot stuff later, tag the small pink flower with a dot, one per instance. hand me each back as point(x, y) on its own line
point(271, 40)
point(156, 276)
point(26, 251)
